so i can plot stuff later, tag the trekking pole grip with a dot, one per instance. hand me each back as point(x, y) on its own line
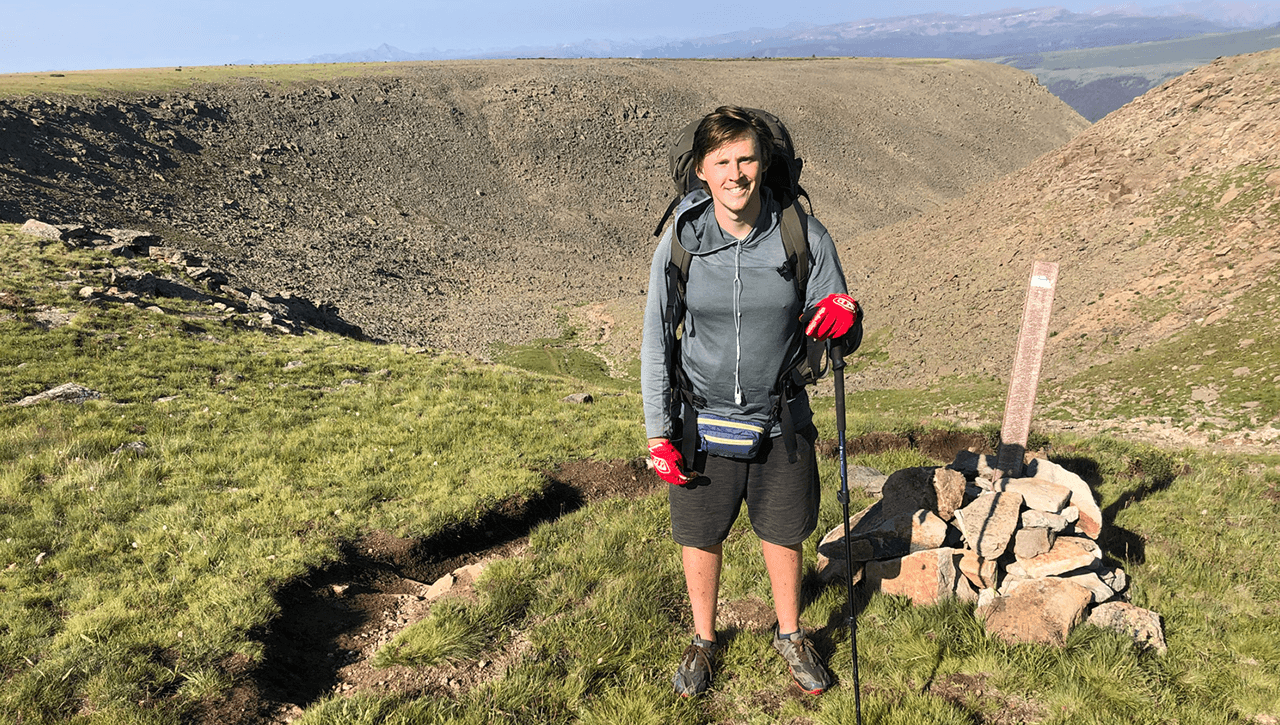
point(835, 353)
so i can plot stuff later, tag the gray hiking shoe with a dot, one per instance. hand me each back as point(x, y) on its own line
point(807, 668)
point(693, 676)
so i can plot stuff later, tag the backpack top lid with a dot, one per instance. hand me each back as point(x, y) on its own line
point(782, 178)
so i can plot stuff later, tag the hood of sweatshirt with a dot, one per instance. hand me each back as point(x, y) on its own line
point(698, 231)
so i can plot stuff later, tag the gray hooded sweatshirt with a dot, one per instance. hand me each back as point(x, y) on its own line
point(741, 316)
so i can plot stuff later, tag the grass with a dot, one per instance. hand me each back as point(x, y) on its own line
point(564, 355)
point(95, 83)
point(130, 575)
point(1221, 377)
point(600, 599)
point(262, 453)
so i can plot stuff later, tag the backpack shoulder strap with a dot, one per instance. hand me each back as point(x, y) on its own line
point(795, 240)
point(677, 278)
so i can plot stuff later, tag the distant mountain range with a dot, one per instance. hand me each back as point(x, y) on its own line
point(938, 35)
point(1094, 61)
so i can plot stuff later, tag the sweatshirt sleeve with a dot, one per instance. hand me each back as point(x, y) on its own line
point(656, 346)
point(826, 276)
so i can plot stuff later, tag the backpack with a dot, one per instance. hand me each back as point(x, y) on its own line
point(783, 180)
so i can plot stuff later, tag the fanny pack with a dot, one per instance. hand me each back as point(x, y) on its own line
point(728, 438)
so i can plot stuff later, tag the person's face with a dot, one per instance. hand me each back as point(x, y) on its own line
point(732, 173)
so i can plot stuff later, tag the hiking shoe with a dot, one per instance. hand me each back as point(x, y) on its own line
point(807, 668)
point(693, 676)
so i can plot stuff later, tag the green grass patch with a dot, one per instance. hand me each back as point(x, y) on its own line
point(564, 355)
point(148, 532)
point(899, 410)
point(95, 83)
point(1220, 377)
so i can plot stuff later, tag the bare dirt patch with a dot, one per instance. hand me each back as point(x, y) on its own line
point(989, 705)
point(749, 615)
point(334, 620)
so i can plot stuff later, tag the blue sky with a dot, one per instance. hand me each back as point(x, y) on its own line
point(58, 35)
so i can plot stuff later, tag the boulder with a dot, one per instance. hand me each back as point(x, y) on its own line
point(877, 533)
point(440, 588)
point(989, 521)
point(911, 489)
point(965, 590)
point(37, 228)
point(923, 576)
point(131, 236)
point(1033, 519)
point(982, 573)
point(121, 249)
point(973, 464)
point(1143, 625)
point(830, 570)
point(1041, 610)
point(65, 393)
point(831, 555)
point(1068, 553)
point(1094, 583)
point(1114, 578)
point(1037, 493)
point(1029, 543)
point(949, 492)
point(868, 479)
point(1090, 521)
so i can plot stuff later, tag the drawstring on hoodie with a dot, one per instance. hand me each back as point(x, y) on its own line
point(737, 322)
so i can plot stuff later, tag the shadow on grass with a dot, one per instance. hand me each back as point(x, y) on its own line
point(330, 618)
point(837, 621)
point(323, 615)
point(1150, 475)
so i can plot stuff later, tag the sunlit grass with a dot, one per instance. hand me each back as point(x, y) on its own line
point(159, 80)
point(129, 574)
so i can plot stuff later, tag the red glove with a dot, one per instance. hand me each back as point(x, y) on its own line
point(666, 461)
point(833, 318)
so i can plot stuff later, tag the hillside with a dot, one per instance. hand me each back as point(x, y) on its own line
point(1164, 218)
point(457, 204)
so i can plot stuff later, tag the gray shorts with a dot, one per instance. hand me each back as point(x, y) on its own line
point(782, 497)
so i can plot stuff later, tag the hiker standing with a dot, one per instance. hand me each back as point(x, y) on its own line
point(722, 379)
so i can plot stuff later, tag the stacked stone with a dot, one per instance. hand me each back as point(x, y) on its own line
point(1024, 548)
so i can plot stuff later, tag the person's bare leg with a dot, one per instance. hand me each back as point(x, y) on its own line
point(784, 565)
point(702, 577)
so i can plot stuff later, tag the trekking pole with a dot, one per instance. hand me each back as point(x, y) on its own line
point(836, 354)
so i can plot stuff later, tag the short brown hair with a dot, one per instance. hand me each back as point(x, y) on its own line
point(727, 124)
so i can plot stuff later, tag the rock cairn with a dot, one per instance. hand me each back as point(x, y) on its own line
point(191, 279)
point(1025, 549)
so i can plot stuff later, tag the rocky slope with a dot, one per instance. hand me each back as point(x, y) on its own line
point(455, 204)
point(1165, 219)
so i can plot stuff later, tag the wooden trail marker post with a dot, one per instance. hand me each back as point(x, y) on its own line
point(1026, 368)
